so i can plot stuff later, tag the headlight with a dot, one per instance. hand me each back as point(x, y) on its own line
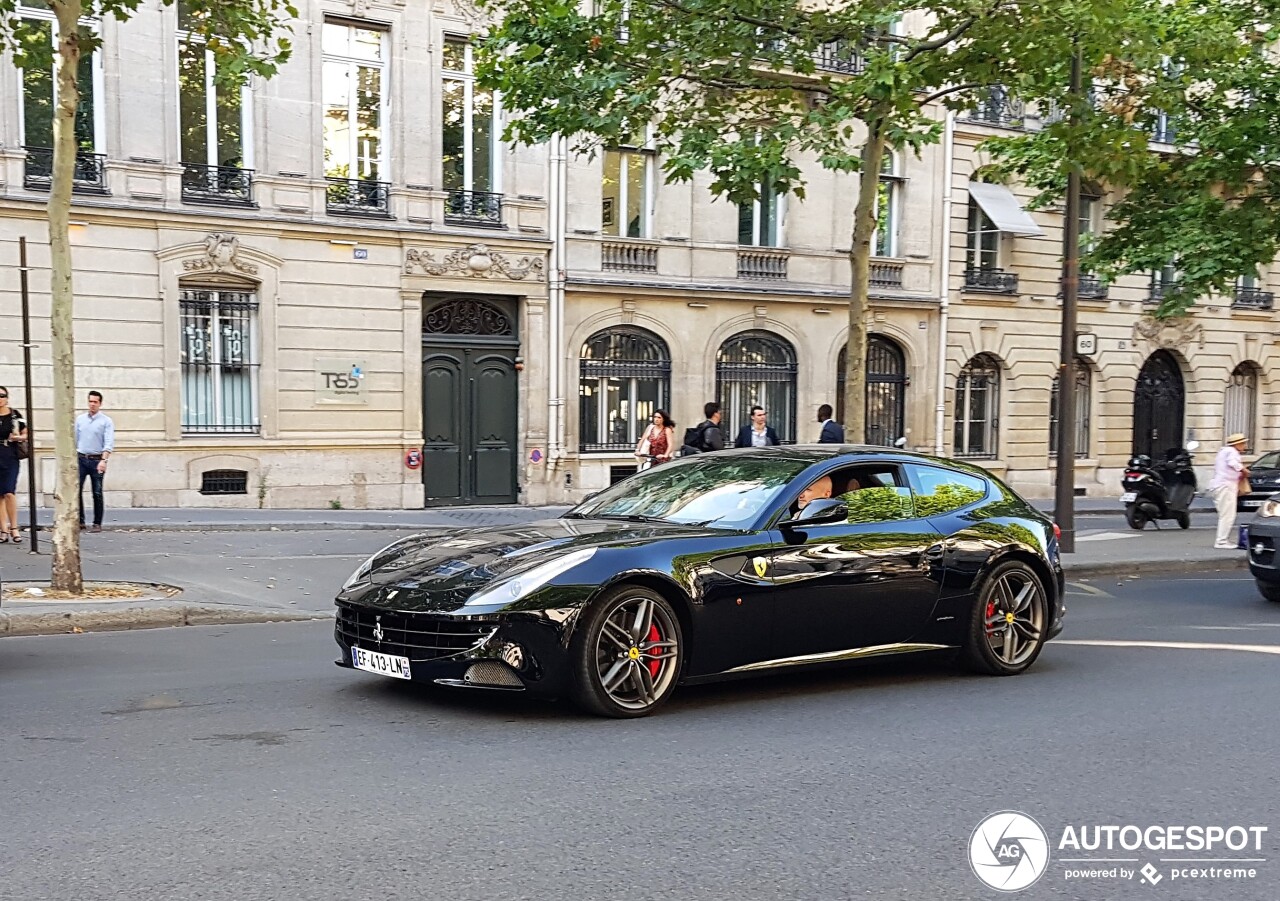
point(1270, 507)
point(528, 582)
point(362, 571)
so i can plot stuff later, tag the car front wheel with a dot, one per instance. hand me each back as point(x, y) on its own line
point(1007, 629)
point(627, 653)
point(1268, 590)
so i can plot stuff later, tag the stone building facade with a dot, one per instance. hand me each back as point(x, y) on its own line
point(340, 287)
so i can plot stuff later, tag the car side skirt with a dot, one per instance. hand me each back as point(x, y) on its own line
point(883, 650)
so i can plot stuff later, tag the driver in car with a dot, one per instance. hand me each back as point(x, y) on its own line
point(820, 488)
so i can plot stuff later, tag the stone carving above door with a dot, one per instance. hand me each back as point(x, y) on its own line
point(1176, 334)
point(221, 254)
point(474, 261)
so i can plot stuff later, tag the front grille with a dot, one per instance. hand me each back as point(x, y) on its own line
point(491, 672)
point(418, 636)
point(1262, 550)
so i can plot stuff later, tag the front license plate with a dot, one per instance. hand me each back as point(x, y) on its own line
point(1128, 497)
point(1256, 502)
point(382, 664)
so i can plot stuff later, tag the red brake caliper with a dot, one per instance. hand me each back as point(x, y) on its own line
point(991, 611)
point(654, 665)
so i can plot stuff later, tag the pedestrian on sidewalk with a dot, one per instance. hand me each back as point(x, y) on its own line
point(13, 431)
point(706, 436)
point(656, 444)
point(758, 433)
point(95, 442)
point(1228, 472)
point(832, 431)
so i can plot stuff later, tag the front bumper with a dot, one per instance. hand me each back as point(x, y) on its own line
point(1264, 539)
point(511, 652)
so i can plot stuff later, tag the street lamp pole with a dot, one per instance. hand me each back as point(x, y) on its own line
point(33, 527)
point(1064, 497)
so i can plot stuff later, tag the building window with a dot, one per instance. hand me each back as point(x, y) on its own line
point(982, 241)
point(37, 24)
point(626, 200)
point(625, 376)
point(888, 203)
point(1163, 281)
point(757, 368)
point(213, 123)
point(355, 86)
point(978, 408)
point(760, 222)
point(1082, 397)
point(470, 141)
point(1241, 402)
point(1250, 294)
point(219, 360)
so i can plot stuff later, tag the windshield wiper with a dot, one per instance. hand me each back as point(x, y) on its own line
point(630, 517)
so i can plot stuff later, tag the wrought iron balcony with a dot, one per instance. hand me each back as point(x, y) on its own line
point(886, 275)
point(991, 281)
point(1253, 299)
point(220, 185)
point(762, 263)
point(999, 108)
point(89, 176)
point(358, 197)
point(841, 57)
point(482, 208)
point(1158, 290)
point(629, 256)
point(1092, 288)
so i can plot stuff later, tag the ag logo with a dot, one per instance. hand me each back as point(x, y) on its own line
point(761, 566)
point(1009, 851)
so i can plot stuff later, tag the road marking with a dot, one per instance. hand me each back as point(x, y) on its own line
point(1106, 536)
point(1085, 588)
point(1179, 645)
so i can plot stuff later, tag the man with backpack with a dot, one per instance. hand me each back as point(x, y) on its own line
point(707, 435)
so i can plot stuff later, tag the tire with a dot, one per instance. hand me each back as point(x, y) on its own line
point(1134, 517)
point(621, 668)
point(1184, 520)
point(1268, 590)
point(1012, 600)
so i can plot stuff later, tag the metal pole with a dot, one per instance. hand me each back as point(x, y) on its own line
point(1064, 499)
point(31, 419)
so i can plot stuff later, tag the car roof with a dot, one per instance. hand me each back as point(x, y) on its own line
point(816, 453)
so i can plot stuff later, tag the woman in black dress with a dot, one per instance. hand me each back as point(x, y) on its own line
point(13, 429)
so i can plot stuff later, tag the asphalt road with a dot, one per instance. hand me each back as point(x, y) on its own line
point(239, 763)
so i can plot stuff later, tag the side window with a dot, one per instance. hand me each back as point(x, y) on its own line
point(874, 494)
point(940, 491)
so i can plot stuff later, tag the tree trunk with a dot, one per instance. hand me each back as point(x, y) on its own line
point(864, 228)
point(66, 534)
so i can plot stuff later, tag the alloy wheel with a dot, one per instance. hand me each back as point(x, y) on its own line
point(637, 652)
point(1014, 617)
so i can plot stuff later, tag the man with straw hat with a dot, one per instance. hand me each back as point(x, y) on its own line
point(1228, 471)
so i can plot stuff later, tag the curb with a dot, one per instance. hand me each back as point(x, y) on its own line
point(46, 622)
point(1153, 567)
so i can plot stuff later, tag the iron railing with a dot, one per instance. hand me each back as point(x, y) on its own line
point(841, 57)
point(758, 263)
point(220, 185)
point(89, 176)
point(482, 208)
point(626, 256)
point(998, 108)
point(1253, 299)
point(358, 197)
point(992, 281)
point(1158, 290)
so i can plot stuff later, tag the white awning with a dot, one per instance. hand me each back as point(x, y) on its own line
point(1003, 209)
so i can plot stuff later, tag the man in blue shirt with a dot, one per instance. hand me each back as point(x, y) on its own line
point(95, 442)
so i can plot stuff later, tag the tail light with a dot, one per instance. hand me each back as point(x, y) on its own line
point(1057, 532)
point(1132, 475)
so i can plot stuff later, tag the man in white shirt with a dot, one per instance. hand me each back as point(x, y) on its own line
point(95, 443)
point(1228, 470)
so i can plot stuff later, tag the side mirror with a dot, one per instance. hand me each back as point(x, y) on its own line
point(1193, 445)
point(824, 511)
point(901, 442)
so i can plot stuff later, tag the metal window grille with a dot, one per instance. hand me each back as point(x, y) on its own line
point(1083, 394)
point(224, 481)
point(1241, 401)
point(624, 376)
point(219, 361)
point(978, 409)
point(757, 368)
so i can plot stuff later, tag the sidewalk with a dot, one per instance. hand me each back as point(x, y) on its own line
point(235, 566)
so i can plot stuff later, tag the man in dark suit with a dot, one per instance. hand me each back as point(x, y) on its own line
point(832, 431)
point(758, 433)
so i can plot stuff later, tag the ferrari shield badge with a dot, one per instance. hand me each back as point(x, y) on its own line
point(761, 566)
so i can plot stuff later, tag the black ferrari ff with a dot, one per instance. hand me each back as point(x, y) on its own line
point(714, 566)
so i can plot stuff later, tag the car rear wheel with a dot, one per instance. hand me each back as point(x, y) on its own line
point(627, 653)
point(1007, 629)
point(1268, 590)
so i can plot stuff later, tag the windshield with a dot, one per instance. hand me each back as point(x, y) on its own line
point(1267, 461)
point(724, 492)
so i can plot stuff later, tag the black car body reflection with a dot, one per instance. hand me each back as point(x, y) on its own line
point(706, 568)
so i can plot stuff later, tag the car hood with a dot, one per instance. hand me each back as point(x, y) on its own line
point(441, 571)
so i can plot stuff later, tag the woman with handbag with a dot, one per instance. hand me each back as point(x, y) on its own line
point(13, 448)
point(655, 445)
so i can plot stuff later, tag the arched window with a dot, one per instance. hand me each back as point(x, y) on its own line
point(625, 375)
point(978, 408)
point(1241, 402)
point(757, 368)
point(1083, 394)
point(886, 390)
